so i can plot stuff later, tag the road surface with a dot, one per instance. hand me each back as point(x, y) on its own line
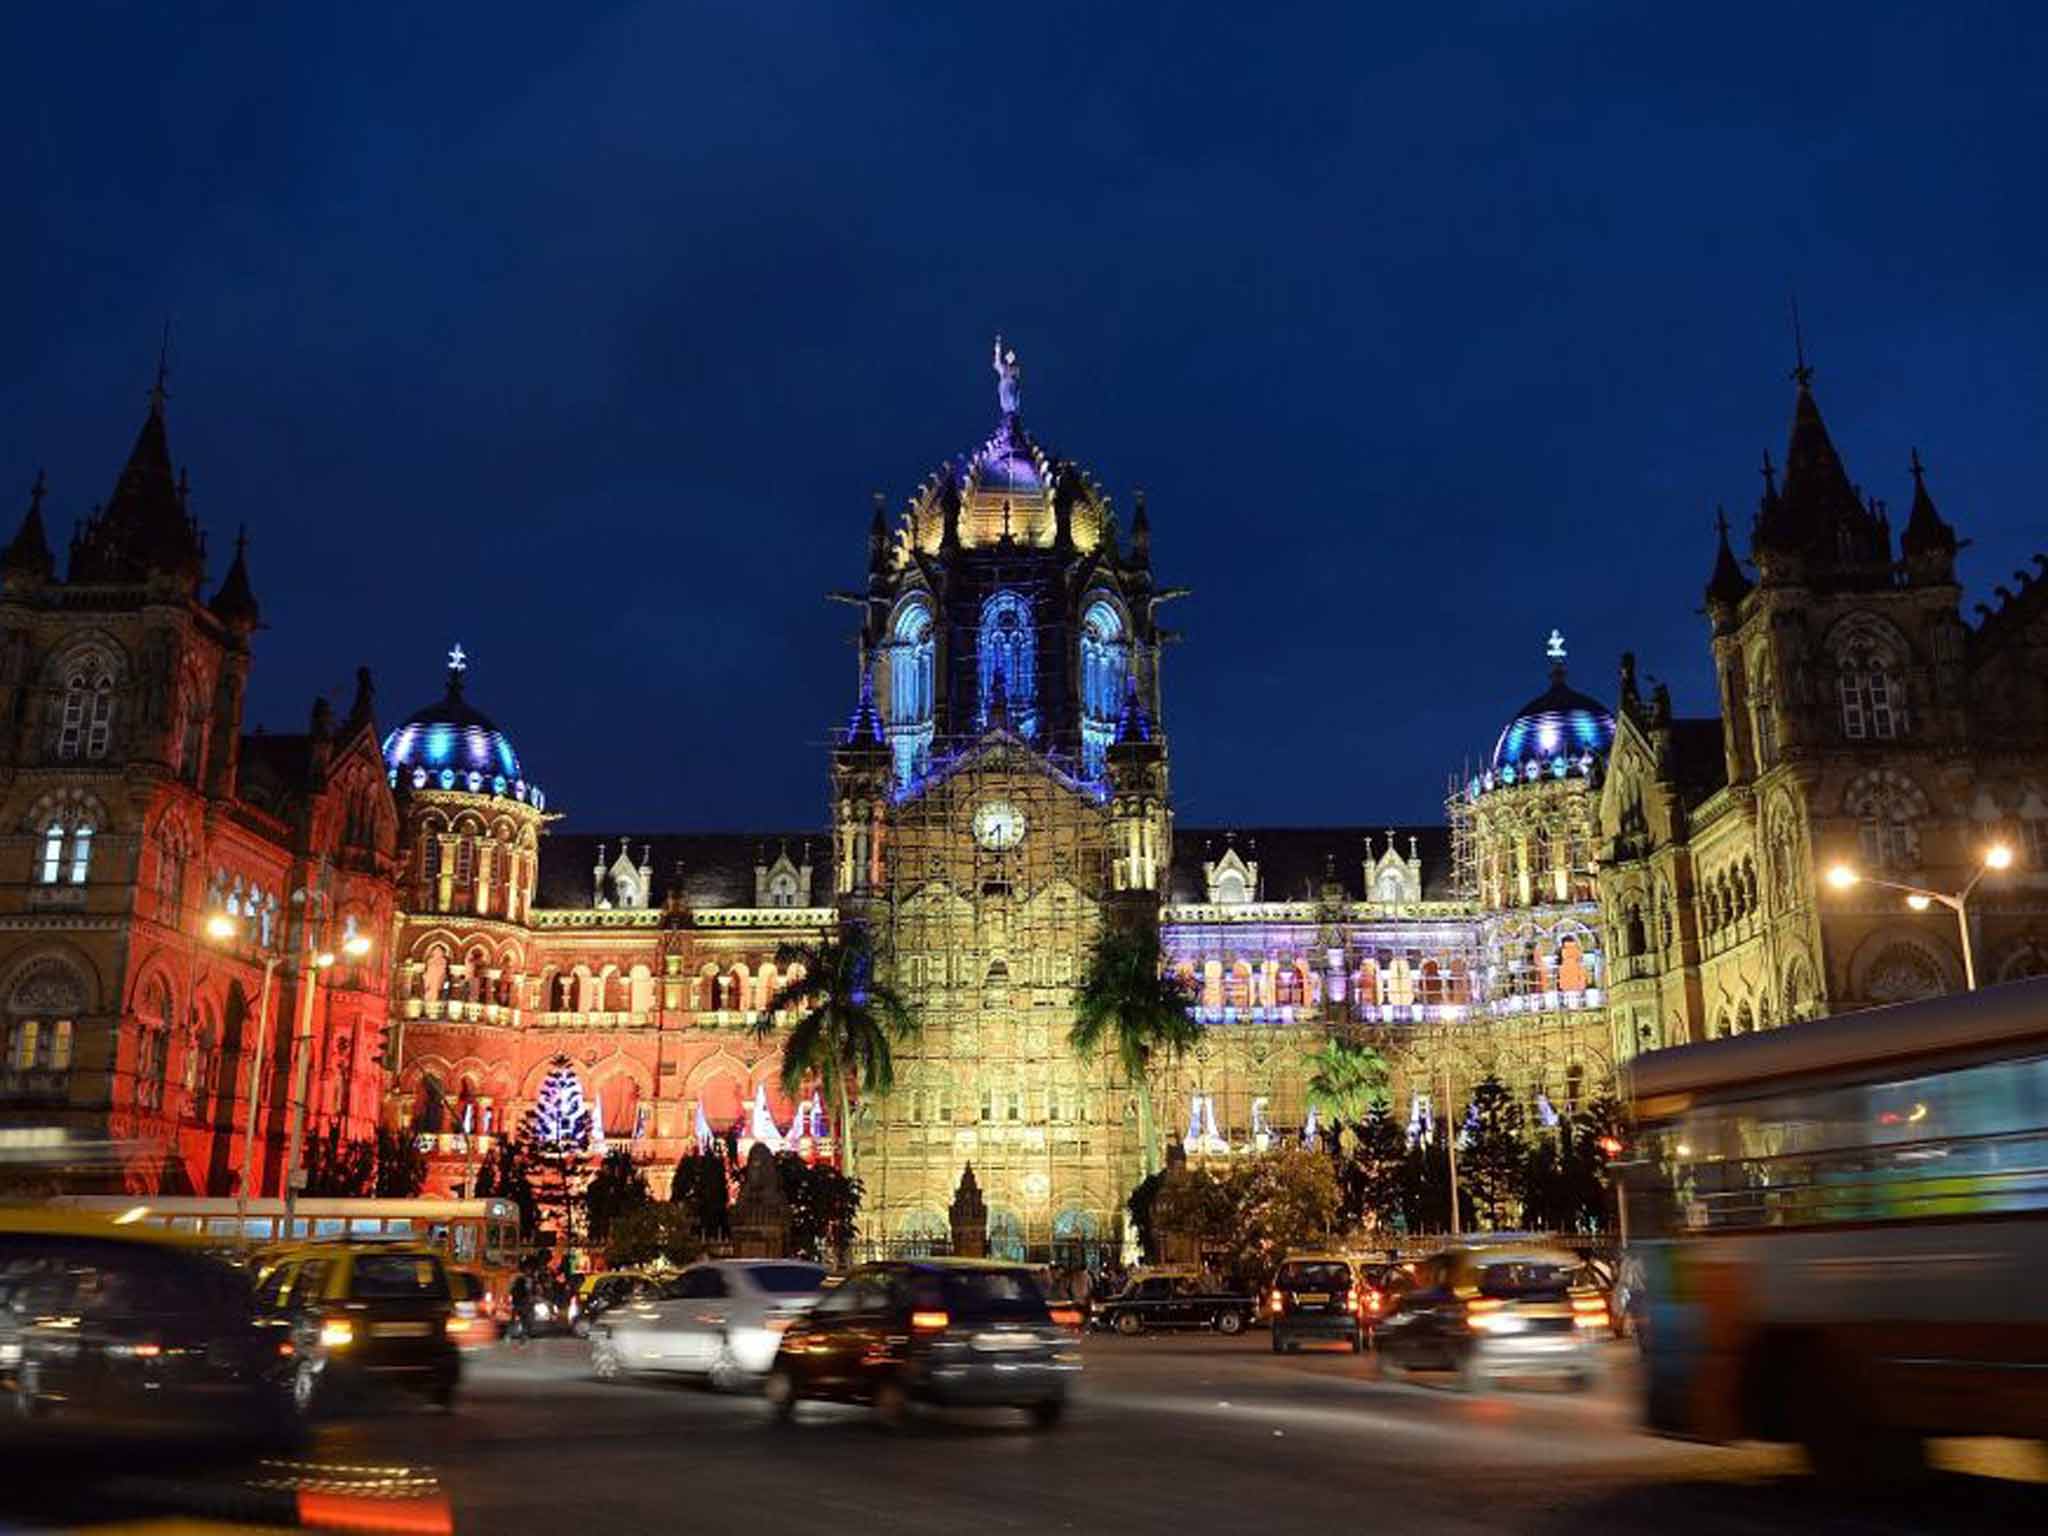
point(1173, 1434)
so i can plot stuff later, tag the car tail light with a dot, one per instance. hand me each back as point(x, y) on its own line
point(1589, 1312)
point(930, 1322)
point(1481, 1311)
point(337, 1333)
point(286, 1348)
point(457, 1325)
point(1276, 1301)
point(1066, 1317)
point(1374, 1301)
point(148, 1349)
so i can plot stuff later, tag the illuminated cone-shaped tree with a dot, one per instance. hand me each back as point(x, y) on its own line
point(558, 1125)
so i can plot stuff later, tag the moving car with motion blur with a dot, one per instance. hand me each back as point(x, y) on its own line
point(951, 1332)
point(1321, 1297)
point(1174, 1299)
point(1485, 1311)
point(598, 1294)
point(721, 1320)
point(472, 1303)
point(362, 1320)
point(120, 1330)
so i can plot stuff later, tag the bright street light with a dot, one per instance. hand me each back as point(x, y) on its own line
point(220, 927)
point(1997, 856)
point(324, 959)
point(355, 946)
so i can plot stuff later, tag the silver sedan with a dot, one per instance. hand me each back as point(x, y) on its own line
point(721, 1320)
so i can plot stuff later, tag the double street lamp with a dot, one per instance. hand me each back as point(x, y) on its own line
point(1997, 857)
point(224, 927)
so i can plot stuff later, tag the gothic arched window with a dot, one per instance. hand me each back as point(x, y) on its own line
point(43, 1006)
point(908, 712)
point(87, 721)
point(1887, 807)
point(1105, 663)
point(1869, 660)
point(1008, 655)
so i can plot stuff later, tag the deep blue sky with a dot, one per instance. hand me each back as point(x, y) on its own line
point(581, 334)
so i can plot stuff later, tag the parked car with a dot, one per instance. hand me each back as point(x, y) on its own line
point(360, 1320)
point(1490, 1311)
point(598, 1294)
point(1175, 1300)
point(722, 1320)
point(956, 1332)
point(111, 1330)
point(1319, 1296)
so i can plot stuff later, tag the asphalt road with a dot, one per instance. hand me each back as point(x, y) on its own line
point(1181, 1434)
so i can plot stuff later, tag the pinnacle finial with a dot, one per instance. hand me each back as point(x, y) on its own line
point(458, 663)
point(1770, 473)
point(38, 491)
point(1919, 470)
point(1802, 371)
point(1553, 647)
point(1009, 378)
point(160, 391)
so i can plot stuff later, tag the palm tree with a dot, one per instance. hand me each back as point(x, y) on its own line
point(1128, 1002)
point(1345, 1080)
point(848, 1026)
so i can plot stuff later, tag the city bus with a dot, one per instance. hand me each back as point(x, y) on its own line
point(482, 1235)
point(1842, 1228)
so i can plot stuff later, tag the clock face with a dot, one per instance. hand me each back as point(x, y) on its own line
point(998, 824)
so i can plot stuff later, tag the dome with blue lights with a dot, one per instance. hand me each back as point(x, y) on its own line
point(453, 745)
point(1561, 733)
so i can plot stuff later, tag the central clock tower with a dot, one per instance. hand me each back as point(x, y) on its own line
point(1000, 794)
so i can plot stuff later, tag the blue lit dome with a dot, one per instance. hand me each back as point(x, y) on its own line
point(1558, 734)
point(453, 745)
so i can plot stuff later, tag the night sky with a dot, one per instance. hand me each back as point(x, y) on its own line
point(582, 333)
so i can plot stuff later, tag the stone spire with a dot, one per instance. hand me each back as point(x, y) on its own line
point(235, 603)
point(1928, 543)
point(28, 558)
point(1727, 587)
point(145, 529)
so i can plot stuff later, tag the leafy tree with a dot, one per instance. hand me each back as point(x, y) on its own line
point(1281, 1200)
point(647, 1233)
point(1372, 1175)
point(1129, 1003)
point(1426, 1186)
point(1492, 1154)
point(1588, 1137)
point(615, 1190)
point(1545, 1202)
point(505, 1176)
point(337, 1168)
point(1346, 1079)
point(847, 1027)
point(401, 1165)
point(1193, 1203)
point(824, 1207)
point(1140, 1206)
point(700, 1189)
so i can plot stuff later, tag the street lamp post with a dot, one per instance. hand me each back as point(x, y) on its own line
point(221, 927)
point(1998, 856)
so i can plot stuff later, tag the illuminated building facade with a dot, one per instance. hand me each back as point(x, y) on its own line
point(136, 806)
point(1862, 720)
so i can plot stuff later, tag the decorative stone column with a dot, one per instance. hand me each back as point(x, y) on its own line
point(760, 1219)
point(969, 1217)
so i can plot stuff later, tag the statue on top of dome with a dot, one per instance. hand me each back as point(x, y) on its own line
point(1009, 378)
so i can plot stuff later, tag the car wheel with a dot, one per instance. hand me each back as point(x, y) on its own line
point(891, 1404)
point(725, 1374)
point(306, 1394)
point(605, 1363)
point(1231, 1323)
point(780, 1390)
point(1048, 1413)
point(1129, 1324)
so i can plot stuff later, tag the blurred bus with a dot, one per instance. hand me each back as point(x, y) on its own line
point(1843, 1229)
point(482, 1235)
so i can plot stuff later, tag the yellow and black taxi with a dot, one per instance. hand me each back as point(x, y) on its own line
point(597, 1294)
point(1325, 1297)
point(954, 1332)
point(1492, 1310)
point(1174, 1297)
point(362, 1319)
point(115, 1328)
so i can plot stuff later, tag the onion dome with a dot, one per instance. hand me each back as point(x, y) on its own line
point(1561, 733)
point(453, 745)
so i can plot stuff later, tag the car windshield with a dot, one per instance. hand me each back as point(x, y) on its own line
point(787, 1279)
point(1314, 1277)
point(1525, 1279)
point(994, 1295)
point(398, 1277)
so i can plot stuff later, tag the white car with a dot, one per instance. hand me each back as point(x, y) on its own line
point(721, 1320)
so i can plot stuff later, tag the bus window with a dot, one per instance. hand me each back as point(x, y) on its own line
point(398, 1225)
point(365, 1226)
point(501, 1241)
point(465, 1241)
point(220, 1226)
point(299, 1225)
point(184, 1223)
point(258, 1229)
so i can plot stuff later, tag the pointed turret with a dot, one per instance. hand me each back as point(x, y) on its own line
point(1727, 587)
point(1141, 532)
point(878, 540)
point(1929, 544)
point(865, 728)
point(235, 603)
point(145, 529)
point(28, 561)
point(1818, 523)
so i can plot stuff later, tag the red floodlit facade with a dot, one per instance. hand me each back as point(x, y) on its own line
point(137, 808)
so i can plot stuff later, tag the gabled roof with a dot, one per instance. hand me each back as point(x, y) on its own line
point(717, 867)
point(1295, 862)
